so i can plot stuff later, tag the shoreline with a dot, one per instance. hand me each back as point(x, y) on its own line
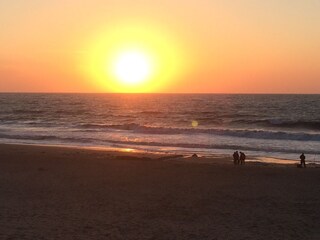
point(156, 155)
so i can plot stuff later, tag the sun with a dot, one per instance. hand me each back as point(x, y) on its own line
point(133, 58)
point(132, 67)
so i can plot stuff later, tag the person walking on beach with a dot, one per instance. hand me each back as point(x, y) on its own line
point(303, 160)
point(242, 158)
point(236, 158)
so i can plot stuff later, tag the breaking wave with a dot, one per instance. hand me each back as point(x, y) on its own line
point(258, 134)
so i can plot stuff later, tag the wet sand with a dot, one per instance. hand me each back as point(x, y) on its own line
point(69, 193)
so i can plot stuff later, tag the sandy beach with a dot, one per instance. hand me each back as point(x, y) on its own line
point(69, 193)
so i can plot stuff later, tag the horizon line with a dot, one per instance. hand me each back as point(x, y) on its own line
point(199, 93)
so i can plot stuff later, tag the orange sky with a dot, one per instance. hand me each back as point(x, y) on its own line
point(243, 46)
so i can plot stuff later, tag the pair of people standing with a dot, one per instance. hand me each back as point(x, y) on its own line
point(239, 158)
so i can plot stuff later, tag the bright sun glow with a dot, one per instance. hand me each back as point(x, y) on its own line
point(134, 58)
point(132, 67)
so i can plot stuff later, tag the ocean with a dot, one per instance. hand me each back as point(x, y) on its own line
point(280, 126)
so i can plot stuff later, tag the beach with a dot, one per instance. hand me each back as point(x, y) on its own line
point(72, 193)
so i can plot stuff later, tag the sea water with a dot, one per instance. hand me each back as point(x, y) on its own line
point(280, 126)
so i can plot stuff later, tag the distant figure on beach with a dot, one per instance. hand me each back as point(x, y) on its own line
point(242, 158)
point(303, 160)
point(236, 158)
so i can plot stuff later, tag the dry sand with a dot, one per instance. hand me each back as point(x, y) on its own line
point(64, 193)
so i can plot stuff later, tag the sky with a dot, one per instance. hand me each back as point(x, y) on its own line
point(203, 46)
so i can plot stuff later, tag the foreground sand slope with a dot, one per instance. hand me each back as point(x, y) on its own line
point(57, 193)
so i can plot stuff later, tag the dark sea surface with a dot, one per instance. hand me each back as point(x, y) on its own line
point(263, 125)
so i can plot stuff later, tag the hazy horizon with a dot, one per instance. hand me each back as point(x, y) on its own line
point(195, 93)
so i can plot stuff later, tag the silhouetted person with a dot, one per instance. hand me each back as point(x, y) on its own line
point(303, 160)
point(242, 158)
point(236, 158)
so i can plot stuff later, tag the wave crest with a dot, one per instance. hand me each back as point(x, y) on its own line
point(241, 133)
